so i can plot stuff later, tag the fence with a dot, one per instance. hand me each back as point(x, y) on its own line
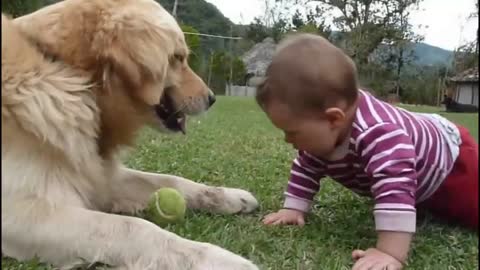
point(239, 90)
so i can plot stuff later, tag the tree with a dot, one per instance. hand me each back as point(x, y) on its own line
point(297, 20)
point(420, 84)
point(194, 44)
point(256, 31)
point(16, 8)
point(274, 23)
point(314, 22)
point(221, 62)
point(375, 33)
point(400, 49)
point(279, 29)
point(466, 56)
point(474, 15)
point(365, 24)
point(239, 72)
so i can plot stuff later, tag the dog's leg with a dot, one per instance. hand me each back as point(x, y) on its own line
point(134, 188)
point(69, 236)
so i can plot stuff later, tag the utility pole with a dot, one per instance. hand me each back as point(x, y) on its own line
point(210, 68)
point(174, 11)
point(231, 58)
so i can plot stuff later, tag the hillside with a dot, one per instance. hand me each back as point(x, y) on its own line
point(430, 55)
point(424, 54)
point(203, 16)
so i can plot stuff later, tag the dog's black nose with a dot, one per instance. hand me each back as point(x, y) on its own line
point(211, 100)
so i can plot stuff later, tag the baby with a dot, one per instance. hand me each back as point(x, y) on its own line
point(403, 160)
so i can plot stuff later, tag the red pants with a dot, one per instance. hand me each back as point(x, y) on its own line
point(456, 200)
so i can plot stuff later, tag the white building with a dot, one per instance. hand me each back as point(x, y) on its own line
point(464, 87)
point(256, 61)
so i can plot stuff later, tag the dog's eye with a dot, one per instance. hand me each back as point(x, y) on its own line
point(179, 57)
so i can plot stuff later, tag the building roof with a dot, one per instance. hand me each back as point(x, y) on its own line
point(469, 75)
point(259, 57)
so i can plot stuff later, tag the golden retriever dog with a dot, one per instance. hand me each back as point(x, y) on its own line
point(79, 79)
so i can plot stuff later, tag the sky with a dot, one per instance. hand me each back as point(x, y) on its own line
point(446, 20)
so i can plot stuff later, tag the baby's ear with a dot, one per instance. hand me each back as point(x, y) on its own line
point(335, 116)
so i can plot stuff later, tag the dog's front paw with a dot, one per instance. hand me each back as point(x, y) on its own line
point(224, 200)
point(238, 201)
point(216, 258)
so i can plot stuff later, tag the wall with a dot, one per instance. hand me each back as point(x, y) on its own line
point(467, 93)
point(475, 94)
point(239, 90)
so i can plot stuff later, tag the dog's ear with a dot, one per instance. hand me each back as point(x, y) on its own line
point(137, 51)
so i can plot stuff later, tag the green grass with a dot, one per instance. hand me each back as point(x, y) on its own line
point(235, 145)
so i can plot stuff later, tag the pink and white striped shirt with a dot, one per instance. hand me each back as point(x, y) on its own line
point(397, 157)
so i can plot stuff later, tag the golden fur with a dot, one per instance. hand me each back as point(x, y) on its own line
point(127, 58)
point(79, 79)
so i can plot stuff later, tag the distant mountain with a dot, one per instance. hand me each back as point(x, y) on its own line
point(200, 14)
point(428, 55)
point(425, 54)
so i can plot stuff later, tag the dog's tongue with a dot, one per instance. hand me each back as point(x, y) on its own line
point(182, 124)
point(177, 123)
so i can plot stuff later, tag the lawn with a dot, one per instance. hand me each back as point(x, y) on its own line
point(234, 145)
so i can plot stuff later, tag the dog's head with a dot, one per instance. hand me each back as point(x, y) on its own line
point(134, 48)
point(446, 100)
point(142, 46)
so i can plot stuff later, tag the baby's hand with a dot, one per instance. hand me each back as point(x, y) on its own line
point(285, 216)
point(373, 258)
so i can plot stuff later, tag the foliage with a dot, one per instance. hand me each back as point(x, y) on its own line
point(222, 64)
point(400, 52)
point(421, 85)
point(194, 16)
point(205, 17)
point(193, 42)
point(256, 31)
point(239, 72)
point(366, 24)
point(466, 56)
point(279, 28)
point(274, 23)
point(16, 8)
point(313, 22)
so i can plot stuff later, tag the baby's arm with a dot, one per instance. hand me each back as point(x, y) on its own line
point(304, 183)
point(396, 244)
point(390, 160)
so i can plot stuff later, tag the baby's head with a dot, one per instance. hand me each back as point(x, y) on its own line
point(310, 92)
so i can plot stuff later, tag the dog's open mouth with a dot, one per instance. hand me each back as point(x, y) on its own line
point(173, 118)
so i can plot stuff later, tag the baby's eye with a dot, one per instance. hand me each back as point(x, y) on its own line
point(289, 136)
point(290, 133)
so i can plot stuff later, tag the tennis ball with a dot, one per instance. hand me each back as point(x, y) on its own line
point(165, 206)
